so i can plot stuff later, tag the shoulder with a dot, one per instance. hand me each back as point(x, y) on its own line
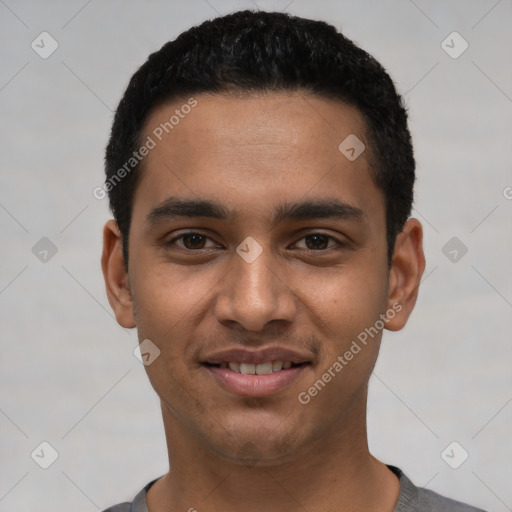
point(430, 500)
point(138, 504)
point(417, 499)
point(122, 507)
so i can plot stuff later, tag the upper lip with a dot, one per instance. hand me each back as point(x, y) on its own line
point(256, 356)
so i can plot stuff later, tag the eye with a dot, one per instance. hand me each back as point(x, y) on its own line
point(198, 241)
point(192, 241)
point(319, 242)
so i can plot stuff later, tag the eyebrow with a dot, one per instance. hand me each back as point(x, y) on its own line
point(174, 207)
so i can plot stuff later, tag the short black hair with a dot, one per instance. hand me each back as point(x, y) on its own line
point(254, 52)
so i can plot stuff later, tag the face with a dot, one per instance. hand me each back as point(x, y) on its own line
point(257, 258)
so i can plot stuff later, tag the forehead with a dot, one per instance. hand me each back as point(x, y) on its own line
point(254, 150)
point(284, 120)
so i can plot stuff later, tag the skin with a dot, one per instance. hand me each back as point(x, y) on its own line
point(253, 153)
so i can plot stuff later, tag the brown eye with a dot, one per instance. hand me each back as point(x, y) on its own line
point(316, 242)
point(192, 241)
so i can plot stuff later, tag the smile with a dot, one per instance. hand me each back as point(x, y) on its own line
point(264, 368)
point(256, 380)
point(256, 372)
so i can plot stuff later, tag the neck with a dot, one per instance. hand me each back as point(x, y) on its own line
point(333, 472)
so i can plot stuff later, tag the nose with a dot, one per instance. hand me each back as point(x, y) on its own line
point(253, 294)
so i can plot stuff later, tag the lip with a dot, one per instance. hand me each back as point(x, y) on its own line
point(255, 385)
point(256, 356)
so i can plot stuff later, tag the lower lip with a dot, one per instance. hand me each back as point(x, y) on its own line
point(255, 385)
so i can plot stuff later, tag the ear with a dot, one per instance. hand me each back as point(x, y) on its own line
point(407, 266)
point(116, 277)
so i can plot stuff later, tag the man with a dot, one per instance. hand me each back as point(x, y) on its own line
point(260, 172)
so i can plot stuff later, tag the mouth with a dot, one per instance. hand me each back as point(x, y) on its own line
point(256, 380)
point(265, 368)
point(256, 372)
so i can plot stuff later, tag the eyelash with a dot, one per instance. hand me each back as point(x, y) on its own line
point(338, 243)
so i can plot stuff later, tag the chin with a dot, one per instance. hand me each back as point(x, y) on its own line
point(257, 443)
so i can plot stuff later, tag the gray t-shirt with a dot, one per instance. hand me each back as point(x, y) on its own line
point(410, 499)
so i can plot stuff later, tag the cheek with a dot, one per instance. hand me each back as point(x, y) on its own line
point(168, 305)
point(346, 310)
point(344, 301)
point(168, 300)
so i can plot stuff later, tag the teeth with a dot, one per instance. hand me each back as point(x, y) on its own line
point(247, 369)
point(277, 366)
point(234, 367)
point(265, 368)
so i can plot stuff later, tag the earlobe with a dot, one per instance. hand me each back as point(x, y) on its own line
point(408, 264)
point(117, 282)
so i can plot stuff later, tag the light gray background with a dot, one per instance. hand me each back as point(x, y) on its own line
point(68, 374)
